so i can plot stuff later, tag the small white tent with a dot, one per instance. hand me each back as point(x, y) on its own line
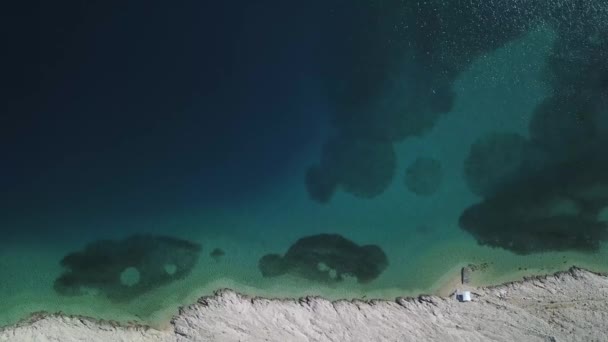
point(464, 296)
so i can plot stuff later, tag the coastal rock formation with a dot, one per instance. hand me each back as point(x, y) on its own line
point(124, 269)
point(567, 306)
point(326, 258)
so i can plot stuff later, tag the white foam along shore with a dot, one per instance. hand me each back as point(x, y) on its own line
point(570, 305)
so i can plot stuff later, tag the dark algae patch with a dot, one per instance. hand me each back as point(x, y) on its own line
point(125, 269)
point(326, 258)
point(494, 162)
point(553, 210)
point(423, 176)
point(425, 127)
point(359, 167)
point(217, 254)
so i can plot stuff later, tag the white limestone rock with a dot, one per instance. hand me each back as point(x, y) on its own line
point(570, 306)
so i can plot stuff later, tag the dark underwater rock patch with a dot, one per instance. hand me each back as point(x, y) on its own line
point(494, 162)
point(423, 176)
point(564, 125)
point(362, 168)
point(125, 269)
point(326, 258)
point(388, 81)
point(556, 209)
point(568, 130)
point(409, 105)
point(555, 205)
point(320, 184)
point(217, 254)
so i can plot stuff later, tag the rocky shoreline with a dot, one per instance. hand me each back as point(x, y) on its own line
point(570, 305)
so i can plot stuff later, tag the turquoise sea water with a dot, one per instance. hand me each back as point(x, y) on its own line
point(490, 103)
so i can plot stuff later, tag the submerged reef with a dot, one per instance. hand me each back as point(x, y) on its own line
point(551, 196)
point(390, 70)
point(565, 125)
point(217, 254)
point(326, 258)
point(125, 269)
point(362, 168)
point(409, 104)
point(423, 177)
point(320, 184)
point(493, 162)
point(554, 209)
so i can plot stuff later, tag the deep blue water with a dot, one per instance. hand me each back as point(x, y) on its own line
point(143, 107)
